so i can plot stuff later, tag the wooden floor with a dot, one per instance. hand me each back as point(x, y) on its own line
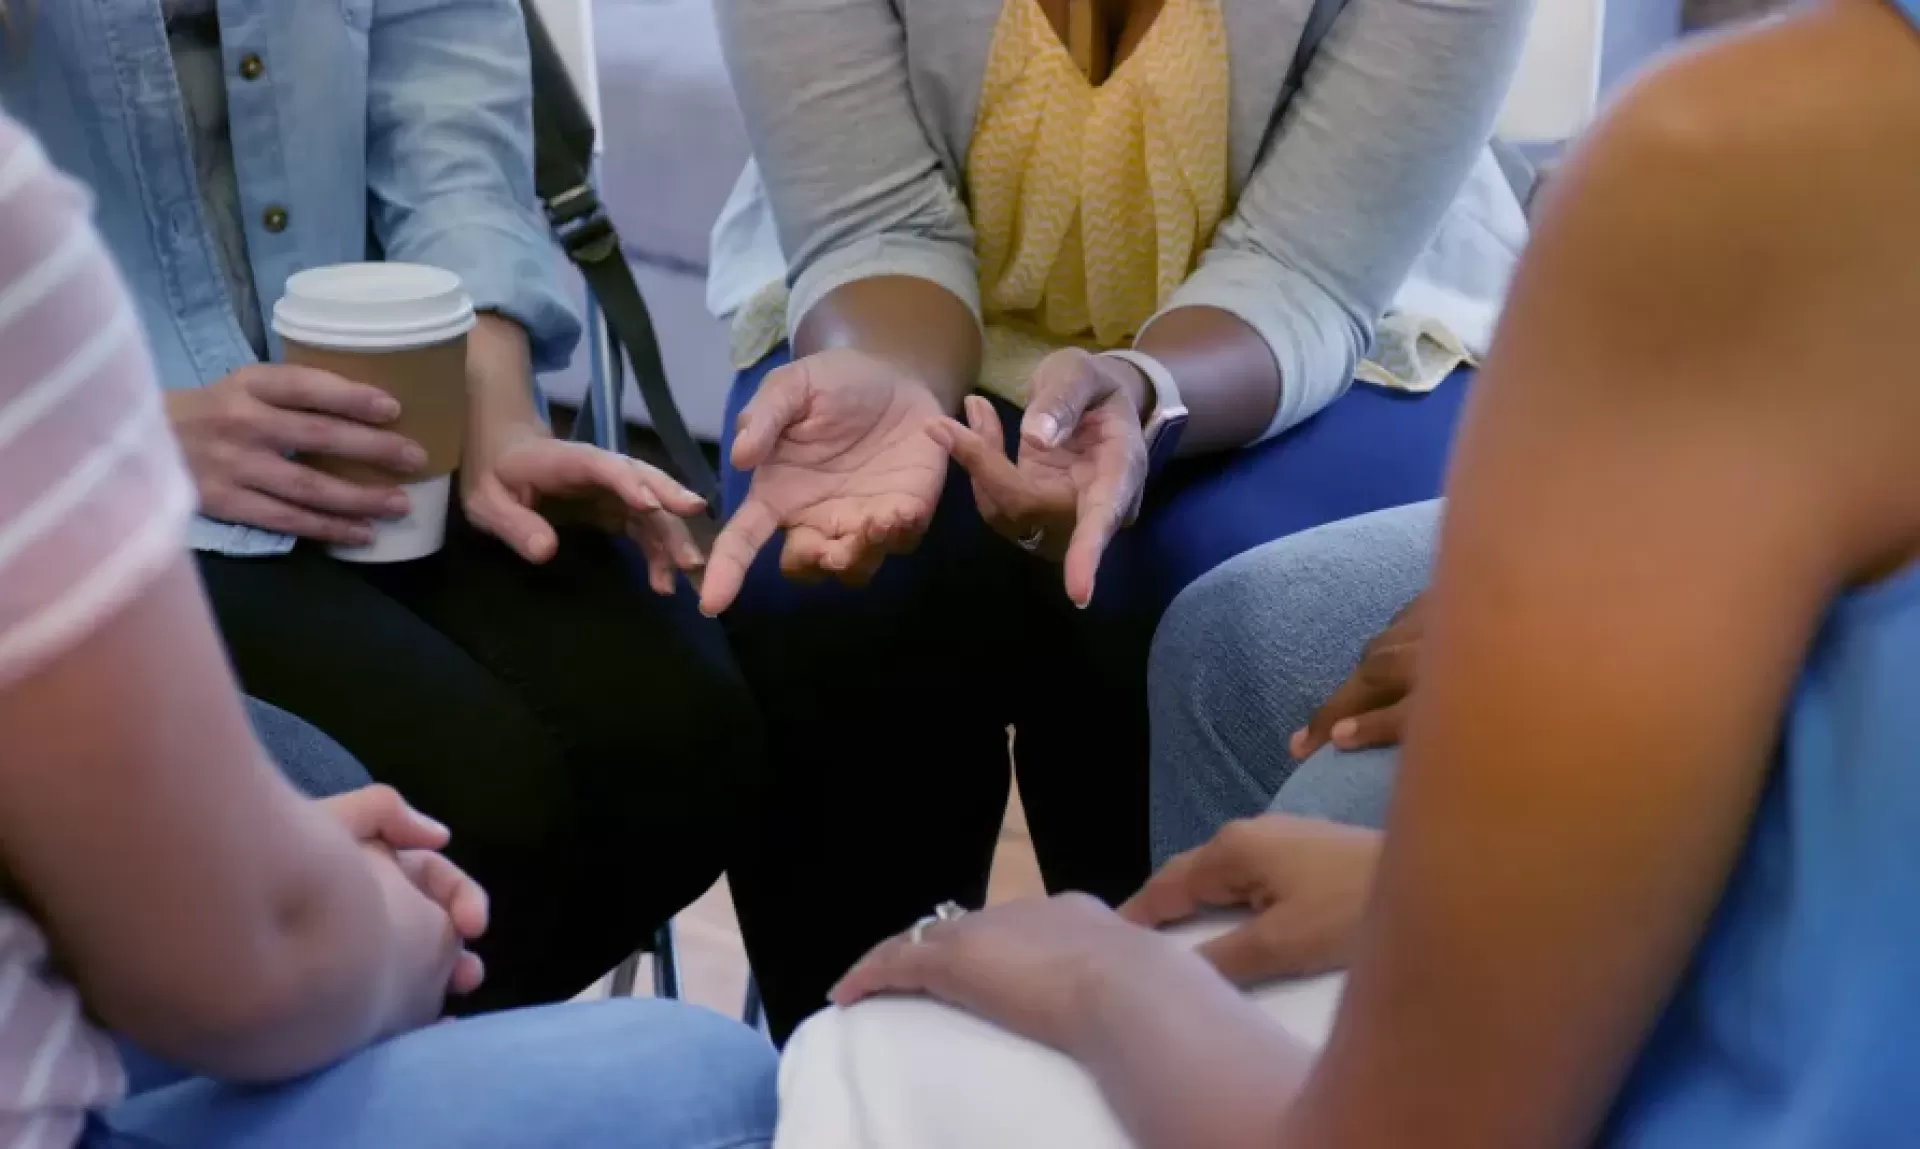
point(714, 966)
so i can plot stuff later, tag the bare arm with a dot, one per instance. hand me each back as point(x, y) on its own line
point(1650, 511)
point(204, 908)
point(914, 324)
point(1393, 109)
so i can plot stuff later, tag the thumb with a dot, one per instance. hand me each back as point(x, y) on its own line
point(1245, 957)
point(1064, 385)
point(775, 407)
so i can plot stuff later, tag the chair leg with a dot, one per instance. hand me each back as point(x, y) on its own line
point(625, 977)
point(666, 964)
point(754, 1011)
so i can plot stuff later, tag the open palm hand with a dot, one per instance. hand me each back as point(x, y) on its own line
point(842, 462)
point(1063, 502)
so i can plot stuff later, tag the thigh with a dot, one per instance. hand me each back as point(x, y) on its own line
point(311, 636)
point(885, 715)
point(611, 1073)
point(638, 694)
point(1247, 653)
point(1338, 786)
point(1369, 450)
point(315, 763)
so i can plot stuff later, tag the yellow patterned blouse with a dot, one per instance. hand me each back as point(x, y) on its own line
point(1090, 202)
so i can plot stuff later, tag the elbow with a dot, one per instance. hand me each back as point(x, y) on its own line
point(287, 996)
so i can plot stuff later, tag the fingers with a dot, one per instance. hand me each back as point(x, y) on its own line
point(669, 548)
point(294, 388)
point(1381, 680)
point(1167, 897)
point(1098, 521)
point(898, 965)
point(243, 505)
point(778, 404)
point(1214, 876)
point(465, 902)
point(1251, 953)
point(300, 433)
point(733, 554)
point(379, 813)
point(495, 511)
point(1383, 727)
point(469, 973)
point(1064, 385)
point(315, 490)
point(978, 446)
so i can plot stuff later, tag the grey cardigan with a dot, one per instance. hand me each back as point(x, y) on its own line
point(860, 113)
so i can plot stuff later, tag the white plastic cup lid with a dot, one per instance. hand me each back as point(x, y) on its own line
point(373, 307)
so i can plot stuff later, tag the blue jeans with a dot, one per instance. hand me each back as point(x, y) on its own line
point(1247, 655)
point(646, 1074)
point(621, 1073)
point(887, 708)
point(312, 761)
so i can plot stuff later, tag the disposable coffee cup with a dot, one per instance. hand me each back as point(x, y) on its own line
point(401, 327)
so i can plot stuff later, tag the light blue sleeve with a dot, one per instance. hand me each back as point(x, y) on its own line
point(450, 159)
point(1393, 110)
point(856, 187)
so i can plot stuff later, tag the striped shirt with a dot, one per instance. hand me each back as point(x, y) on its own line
point(94, 503)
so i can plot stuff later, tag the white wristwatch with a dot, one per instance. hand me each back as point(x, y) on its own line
point(1166, 421)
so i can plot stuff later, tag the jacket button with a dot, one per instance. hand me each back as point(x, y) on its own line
point(251, 67)
point(275, 220)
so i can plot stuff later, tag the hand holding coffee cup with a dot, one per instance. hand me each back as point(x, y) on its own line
point(244, 437)
point(399, 330)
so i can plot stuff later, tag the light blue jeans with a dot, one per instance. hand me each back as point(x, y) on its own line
point(606, 1075)
point(622, 1074)
point(1245, 656)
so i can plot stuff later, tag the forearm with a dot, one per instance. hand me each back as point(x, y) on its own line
point(1228, 376)
point(205, 909)
point(500, 393)
point(913, 323)
point(1187, 1061)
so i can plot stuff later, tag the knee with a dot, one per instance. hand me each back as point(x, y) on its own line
point(689, 1075)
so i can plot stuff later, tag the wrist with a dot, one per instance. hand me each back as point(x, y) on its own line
point(1133, 382)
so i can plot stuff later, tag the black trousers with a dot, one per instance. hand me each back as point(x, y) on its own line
point(593, 747)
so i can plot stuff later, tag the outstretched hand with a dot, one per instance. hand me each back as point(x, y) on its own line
point(1082, 467)
point(842, 461)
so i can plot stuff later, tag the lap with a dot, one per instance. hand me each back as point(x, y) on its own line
point(1247, 654)
point(623, 1072)
point(912, 1071)
point(313, 762)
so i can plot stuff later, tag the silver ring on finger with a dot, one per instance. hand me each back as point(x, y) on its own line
point(1030, 542)
point(944, 912)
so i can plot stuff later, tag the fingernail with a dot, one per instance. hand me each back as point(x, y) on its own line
point(1046, 430)
point(434, 824)
point(386, 408)
point(1345, 729)
point(359, 537)
point(413, 458)
point(397, 506)
point(1298, 742)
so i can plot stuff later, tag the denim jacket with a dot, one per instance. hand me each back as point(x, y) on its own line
point(359, 127)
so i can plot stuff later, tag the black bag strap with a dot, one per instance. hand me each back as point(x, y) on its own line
point(563, 138)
